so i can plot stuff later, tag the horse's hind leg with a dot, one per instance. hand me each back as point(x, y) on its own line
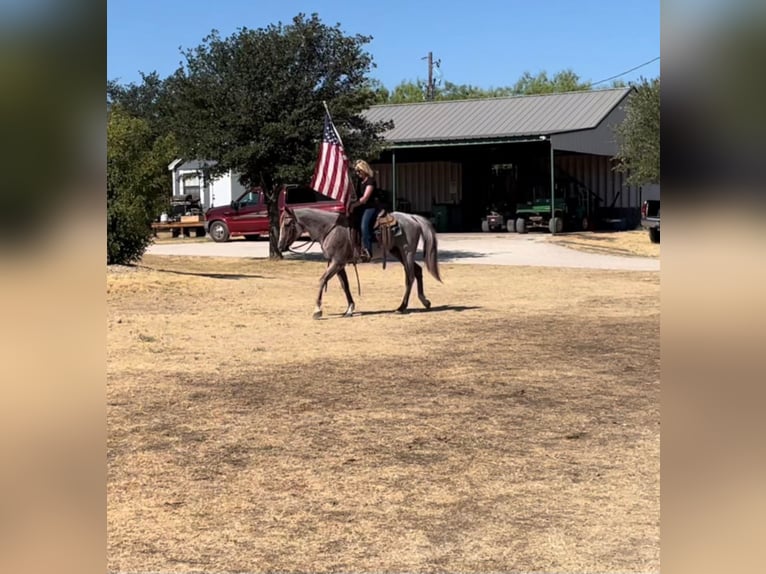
point(346, 289)
point(407, 261)
point(421, 294)
point(331, 270)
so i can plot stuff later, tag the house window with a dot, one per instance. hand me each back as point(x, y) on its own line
point(192, 190)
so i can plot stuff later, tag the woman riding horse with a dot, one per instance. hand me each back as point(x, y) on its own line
point(332, 232)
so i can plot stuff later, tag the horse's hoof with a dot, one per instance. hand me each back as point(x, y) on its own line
point(426, 303)
point(401, 310)
point(317, 315)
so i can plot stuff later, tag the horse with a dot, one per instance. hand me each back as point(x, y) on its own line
point(332, 232)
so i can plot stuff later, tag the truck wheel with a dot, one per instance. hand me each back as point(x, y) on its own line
point(510, 225)
point(521, 225)
point(485, 226)
point(219, 231)
point(556, 225)
point(654, 234)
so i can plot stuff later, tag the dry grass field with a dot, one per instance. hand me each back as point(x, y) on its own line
point(629, 243)
point(513, 427)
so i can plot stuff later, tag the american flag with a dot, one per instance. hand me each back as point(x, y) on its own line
point(331, 171)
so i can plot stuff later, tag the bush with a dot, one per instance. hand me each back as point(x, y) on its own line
point(129, 230)
point(137, 184)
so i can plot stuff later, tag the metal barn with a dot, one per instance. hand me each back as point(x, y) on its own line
point(455, 160)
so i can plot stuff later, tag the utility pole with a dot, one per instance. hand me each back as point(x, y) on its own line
point(431, 88)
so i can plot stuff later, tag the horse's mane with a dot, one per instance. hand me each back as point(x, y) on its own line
point(318, 222)
point(309, 215)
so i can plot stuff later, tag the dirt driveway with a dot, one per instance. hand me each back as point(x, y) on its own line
point(536, 250)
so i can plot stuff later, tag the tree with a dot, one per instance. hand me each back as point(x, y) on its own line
point(253, 102)
point(408, 92)
point(148, 101)
point(639, 135)
point(136, 184)
point(564, 81)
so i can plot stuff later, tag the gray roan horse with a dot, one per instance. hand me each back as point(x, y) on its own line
point(332, 232)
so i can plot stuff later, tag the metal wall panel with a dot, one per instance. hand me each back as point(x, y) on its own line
point(597, 173)
point(427, 183)
point(600, 140)
point(423, 183)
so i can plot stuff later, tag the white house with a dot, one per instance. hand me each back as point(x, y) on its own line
point(189, 179)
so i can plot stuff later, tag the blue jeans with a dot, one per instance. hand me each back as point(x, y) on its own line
point(367, 218)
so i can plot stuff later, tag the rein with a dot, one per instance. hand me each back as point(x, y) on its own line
point(310, 244)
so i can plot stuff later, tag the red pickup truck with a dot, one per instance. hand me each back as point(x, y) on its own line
point(650, 212)
point(247, 215)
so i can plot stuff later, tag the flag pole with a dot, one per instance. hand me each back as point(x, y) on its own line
point(332, 123)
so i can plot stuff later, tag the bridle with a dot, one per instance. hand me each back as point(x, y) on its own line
point(309, 242)
point(293, 221)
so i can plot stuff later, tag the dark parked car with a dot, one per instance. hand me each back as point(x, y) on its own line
point(247, 215)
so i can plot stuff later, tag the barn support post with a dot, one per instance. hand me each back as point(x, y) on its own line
point(553, 189)
point(393, 179)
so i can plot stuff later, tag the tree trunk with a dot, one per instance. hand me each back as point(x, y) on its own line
point(272, 206)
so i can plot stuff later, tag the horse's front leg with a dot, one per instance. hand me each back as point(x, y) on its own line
point(347, 290)
point(331, 270)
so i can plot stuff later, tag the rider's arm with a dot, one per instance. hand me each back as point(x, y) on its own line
point(368, 191)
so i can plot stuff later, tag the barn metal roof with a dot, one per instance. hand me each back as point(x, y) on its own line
point(496, 118)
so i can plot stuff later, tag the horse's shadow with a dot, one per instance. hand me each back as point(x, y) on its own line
point(209, 275)
point(445, 256)
point(436, 309)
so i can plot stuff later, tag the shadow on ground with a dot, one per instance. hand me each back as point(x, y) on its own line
point(209, 275)
point(445, 256)
point(437, 309)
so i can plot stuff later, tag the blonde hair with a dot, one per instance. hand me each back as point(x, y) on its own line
point(364, 167)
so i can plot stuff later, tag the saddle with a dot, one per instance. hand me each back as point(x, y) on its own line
point(389, 232)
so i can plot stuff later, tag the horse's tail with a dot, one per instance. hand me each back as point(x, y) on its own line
point(430, 246)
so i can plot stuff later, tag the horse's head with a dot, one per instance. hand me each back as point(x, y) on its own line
point(289, 229)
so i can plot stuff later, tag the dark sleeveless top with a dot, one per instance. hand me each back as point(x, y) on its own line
point(363, 185)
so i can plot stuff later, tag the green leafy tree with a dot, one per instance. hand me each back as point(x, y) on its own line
point(564, 81)
point(408, 91)
point(136, 184)
point(380, 94)
point(452, 91)
point(253, 102)
point(639, 135)
point(150, 101)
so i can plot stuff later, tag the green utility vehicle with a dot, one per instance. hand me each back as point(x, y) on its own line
point(568, 215)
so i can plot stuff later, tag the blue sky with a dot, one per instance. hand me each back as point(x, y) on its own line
point(485, 43)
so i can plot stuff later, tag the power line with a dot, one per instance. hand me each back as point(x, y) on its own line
point(626, 72)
